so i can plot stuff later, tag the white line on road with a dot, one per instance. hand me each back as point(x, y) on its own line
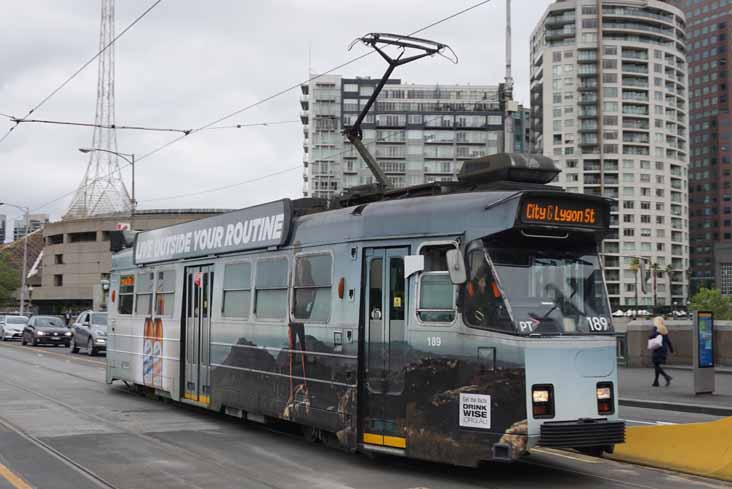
point(655, 423)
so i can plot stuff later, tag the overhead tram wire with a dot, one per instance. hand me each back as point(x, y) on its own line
point(140, 128)
point(273, 174)
point(273, 96)
point(76, 73)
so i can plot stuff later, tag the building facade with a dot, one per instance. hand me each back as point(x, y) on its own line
point(3, 228)
point(77, 256)
point(35, 222)
point(609, 104)
point(417, 133)
point(710, 163)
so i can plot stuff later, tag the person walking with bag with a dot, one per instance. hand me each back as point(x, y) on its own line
point(660, 344)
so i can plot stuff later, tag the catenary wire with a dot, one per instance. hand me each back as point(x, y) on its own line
point(275, 95)
point(74, 74)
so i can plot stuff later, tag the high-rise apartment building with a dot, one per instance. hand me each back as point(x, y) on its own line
point(710, 122)
point(36, 221)
point(417, 133)
point(609, 104)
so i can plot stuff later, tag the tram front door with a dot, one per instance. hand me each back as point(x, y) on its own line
point(384, 347)
point(197, 334)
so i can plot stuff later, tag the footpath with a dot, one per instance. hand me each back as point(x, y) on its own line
point(697, 448)
point(636, 391)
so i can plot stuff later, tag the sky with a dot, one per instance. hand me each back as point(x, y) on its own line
point(188, 63)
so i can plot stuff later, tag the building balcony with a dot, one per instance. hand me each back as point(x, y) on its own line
point(305, 117)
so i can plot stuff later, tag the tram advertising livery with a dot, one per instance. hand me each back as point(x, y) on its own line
point(456, 322)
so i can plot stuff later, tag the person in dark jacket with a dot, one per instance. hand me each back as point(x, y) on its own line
point(659, 354)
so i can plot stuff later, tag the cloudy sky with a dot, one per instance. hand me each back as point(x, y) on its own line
point(188, 62)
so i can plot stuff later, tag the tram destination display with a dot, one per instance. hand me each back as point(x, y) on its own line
point(251, 228)
point(562, 212)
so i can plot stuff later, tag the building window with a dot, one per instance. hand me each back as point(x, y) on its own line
point(58, 280)
point(725, 276)
point(436, 291)
point(143, 294)
point(165, 293)
point(126, 294)
point(270, 284)
point(58, 259)
point(313, 287)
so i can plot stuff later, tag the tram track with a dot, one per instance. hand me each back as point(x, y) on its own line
point(177, 451)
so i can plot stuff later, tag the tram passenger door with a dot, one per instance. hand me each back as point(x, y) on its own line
point(197, 307)
point(384, 346)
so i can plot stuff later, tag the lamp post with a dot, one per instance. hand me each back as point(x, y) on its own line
point(25, 253)
point(129, 158)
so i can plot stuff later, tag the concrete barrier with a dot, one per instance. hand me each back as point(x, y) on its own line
point(703, 449)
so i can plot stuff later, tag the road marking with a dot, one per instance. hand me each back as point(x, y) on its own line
point(65, 356)
point(14, 479)
point(654, 423)
point(576, 458)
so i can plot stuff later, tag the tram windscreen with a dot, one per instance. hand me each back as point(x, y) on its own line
point(551, 290)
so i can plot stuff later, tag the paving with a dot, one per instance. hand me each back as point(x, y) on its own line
point(635, 390)
point(62, 426)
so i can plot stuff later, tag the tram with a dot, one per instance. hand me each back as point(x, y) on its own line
point(455, 322)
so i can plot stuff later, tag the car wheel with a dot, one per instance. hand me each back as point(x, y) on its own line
point(74, 346)
point(90, 348)
point(22, 340)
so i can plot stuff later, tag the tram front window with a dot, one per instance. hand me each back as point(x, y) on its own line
point(548, 290)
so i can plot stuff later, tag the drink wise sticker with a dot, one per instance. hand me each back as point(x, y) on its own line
point(475, 411)
point(255, 227)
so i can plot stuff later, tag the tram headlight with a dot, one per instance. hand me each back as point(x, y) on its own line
point(542, 400)
point(605, 398)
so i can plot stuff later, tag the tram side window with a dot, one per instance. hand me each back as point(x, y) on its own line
point(484, 304)
point(126, 294)
point(237, 290)
point(436, 291)
point(143, 294)
point(270, 289)
point(165, 293)
point(313, 285)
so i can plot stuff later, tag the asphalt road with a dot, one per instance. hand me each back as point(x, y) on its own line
point(62, 427)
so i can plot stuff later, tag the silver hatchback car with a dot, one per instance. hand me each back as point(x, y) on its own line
point(90, 332)
point(11, 327)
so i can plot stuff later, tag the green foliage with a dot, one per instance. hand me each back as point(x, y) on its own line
point(712, 300)
point(9, 281)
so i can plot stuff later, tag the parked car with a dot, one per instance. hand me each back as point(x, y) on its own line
point(11, 327)
point(90, 332)
point(46, 329)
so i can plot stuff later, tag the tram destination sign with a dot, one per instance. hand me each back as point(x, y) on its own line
point(562, 212)
point(251, 228)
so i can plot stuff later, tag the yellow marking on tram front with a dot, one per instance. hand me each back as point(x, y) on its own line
point(373, 439)
point(14, 479)
point(395, 441)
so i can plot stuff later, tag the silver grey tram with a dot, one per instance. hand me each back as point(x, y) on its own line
point(454, 322)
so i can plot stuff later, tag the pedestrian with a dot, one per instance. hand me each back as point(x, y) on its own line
point(67, 317)
point(659, 354)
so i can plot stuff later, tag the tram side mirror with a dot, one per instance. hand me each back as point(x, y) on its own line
point(456, 267)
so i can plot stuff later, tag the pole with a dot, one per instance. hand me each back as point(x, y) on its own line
point(25, 261)
point(134, 202)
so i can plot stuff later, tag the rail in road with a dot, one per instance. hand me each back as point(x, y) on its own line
point(109, 437)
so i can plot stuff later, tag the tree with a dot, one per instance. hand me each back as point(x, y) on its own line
point(9, 280)
point(655, 269)
point(635, 267)
point(712, 300)
point(668, 271)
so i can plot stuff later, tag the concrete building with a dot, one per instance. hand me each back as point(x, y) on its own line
point(710, 164)
point(77, 256)
point(609, 104)
point(418, 133)
point(3, 228)
point(36, 222)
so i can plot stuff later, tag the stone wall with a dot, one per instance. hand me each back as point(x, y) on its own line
point(681, 336)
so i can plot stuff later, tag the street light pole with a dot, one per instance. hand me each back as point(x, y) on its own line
point(23, 284)
point(131, 161)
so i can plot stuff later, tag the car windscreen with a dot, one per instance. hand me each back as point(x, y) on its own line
point(16, 320)
point(49, 322)
point(100, 319)
point(553, 291)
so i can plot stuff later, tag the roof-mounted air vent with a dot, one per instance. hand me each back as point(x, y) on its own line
point(511, 167)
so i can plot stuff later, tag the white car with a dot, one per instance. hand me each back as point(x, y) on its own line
point(11, 327)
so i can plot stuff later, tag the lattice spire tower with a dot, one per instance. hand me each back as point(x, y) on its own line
point(102, 189)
